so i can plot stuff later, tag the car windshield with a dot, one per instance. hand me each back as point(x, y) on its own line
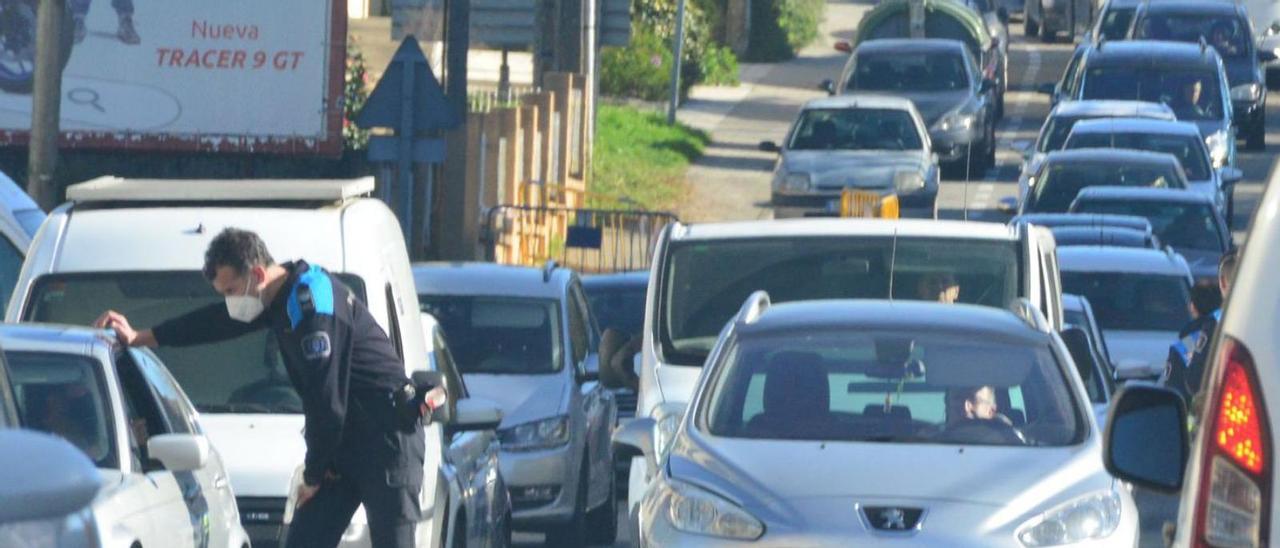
point(64, 395)
point(499, 335)
point(1183, 226)
point(892, 387)
point(242, 375)
point(1133, 301)
point(620, 308)
point(705, 283)
point(910, 71)
point(1188, 149)
point(856, 129)
point(1115, 23)
point(1228, 35)
point(1191, 95)
point(1061, 182)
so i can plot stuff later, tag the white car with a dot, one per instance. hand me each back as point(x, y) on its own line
point(883, 423)
point(1227, 474)
point(137, 246)
point(701, 273)
point(163, 483)
point(1141, 298)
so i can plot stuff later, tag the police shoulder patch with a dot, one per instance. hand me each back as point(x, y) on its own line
point(316, 346)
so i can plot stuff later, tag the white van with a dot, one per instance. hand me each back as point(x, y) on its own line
point(137, 246)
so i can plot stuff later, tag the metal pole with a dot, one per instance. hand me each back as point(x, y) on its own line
point(42, 158)
point(405, 133)
point(677, 49)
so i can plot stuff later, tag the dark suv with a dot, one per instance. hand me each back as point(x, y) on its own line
point(1191, 79)
point(1224, 26)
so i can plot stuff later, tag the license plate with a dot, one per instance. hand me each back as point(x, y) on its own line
point(859, 203)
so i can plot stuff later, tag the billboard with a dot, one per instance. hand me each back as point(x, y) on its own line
point(230, 75)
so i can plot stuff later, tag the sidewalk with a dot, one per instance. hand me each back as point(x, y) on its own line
point(731, 180)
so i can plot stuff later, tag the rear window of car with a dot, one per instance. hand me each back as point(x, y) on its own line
point(1059, 183)
point(1188, 149)
point(892, 387)
point(910, 71)
point(1133, 301)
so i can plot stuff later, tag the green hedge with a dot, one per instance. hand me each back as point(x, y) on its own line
point(642, 69)
point(781, 28)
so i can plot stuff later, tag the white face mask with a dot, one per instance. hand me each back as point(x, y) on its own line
point(244, 308)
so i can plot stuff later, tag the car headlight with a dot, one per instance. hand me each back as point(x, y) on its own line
point(666, 420)
point(531, 436)
point(795, 182)
point(695, 510)
point(906, 182)
point(1092, 516)
point(958, 122)
point(1247, 92)
point(1219, 145)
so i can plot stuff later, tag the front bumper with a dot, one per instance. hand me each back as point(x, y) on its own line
point(263, 519)
point(953, 146)
point(530, 475)
point(1248, 113)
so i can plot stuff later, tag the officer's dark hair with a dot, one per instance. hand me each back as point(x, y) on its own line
point(238, 249)
point(1206, 298)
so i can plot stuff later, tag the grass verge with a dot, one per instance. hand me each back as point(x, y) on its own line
point(640, 161)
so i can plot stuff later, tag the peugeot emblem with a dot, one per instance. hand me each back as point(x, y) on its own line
point(893, 519)
point(898, 520)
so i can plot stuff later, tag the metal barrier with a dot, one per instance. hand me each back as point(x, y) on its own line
point(587, 240)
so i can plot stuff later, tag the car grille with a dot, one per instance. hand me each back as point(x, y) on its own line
point(262, 518)
point(626, 401)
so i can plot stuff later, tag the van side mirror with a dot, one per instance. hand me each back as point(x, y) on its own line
point(43, 476)
point(828, 86)
point(179, 452)
point(1230, 175)
point(1146, 438)
point(843, 46)
point(421, 380)
point(590, 370)
point(769, 146)
point(1047, 89)
point(634, 438)
point(1081, 350)
point(1007, 205)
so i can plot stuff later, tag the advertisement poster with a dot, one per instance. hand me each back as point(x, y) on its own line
point(230, 75)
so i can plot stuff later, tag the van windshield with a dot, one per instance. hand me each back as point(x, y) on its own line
point(705, 283)
point(242, 375)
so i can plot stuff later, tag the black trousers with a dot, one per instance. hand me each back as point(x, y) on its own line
point(379, 466)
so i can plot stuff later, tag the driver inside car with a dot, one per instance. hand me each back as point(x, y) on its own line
point(975, 407)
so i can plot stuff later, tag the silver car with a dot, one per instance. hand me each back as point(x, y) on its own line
point(874, 143)
point(878, 423)
point(525, 338)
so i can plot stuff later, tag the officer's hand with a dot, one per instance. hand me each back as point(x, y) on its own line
point(115, 320)
point(305, 493)
point(433, 400)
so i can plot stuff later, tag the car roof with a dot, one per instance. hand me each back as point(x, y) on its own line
point(68, 339)
point(1153, 53)
point(861, 100)
point(1137, 125)
point(909, 45)
point(1070, 236)
point(819, 227)
point(490, 280)
point(905, 316)
point(1143, 194)
point(1108, 107)
point(1074, 303)
point(1192, 7)
point(1109, 156)
point(1083, 219)
point(117, 189)
point(620, 280)
point(1129, 260)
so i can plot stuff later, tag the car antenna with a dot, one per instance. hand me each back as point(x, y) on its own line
point(548, 269)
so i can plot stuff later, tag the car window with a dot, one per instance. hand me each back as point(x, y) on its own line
point(445, 364)
point(1055, 133)
point(890, 387)
point(243, 375)
point(579, 334)
point(1228, 35)
point(910, 71)
point(1133, 301)
point(65, 395)
point(166, 392)
point(703, 284)
point(1183, 226)
point(1189, 150)
point(1192, 95)
point(500, 335)
point(856, 129)
point(1115, 23)
point(10, 264)
point(1059, 183)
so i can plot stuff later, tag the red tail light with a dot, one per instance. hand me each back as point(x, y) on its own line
point(1233, 506)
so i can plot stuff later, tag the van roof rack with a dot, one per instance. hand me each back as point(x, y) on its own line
point(754, 306)
point(548, 269)
point(118, 189)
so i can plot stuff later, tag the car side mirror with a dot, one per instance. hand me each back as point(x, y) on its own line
point(1007, 205)
point(43, 476)
point(1135, 369)
point(590, 370)
point(476, 414)
point(1047, 89)
point(828, 86)
point(1078, 345)
point(1003, 14)
point(421, 380)
point(769, 146)
point(1146, 438)
point(179, 452)
point(843, 46)
point(1230, 175)
point(986, 85)
point(634, 438)
point(1267, 56)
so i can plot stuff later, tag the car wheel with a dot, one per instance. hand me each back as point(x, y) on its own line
point(1257, 138)
point(574, 533)
point(1030, 26)
point(602, 523)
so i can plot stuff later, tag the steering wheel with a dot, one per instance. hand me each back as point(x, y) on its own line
point(980, 431)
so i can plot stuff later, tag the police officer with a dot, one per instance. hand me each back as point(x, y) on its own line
point(361, 448)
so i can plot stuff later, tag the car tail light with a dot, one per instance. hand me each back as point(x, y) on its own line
point(1233, 506)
